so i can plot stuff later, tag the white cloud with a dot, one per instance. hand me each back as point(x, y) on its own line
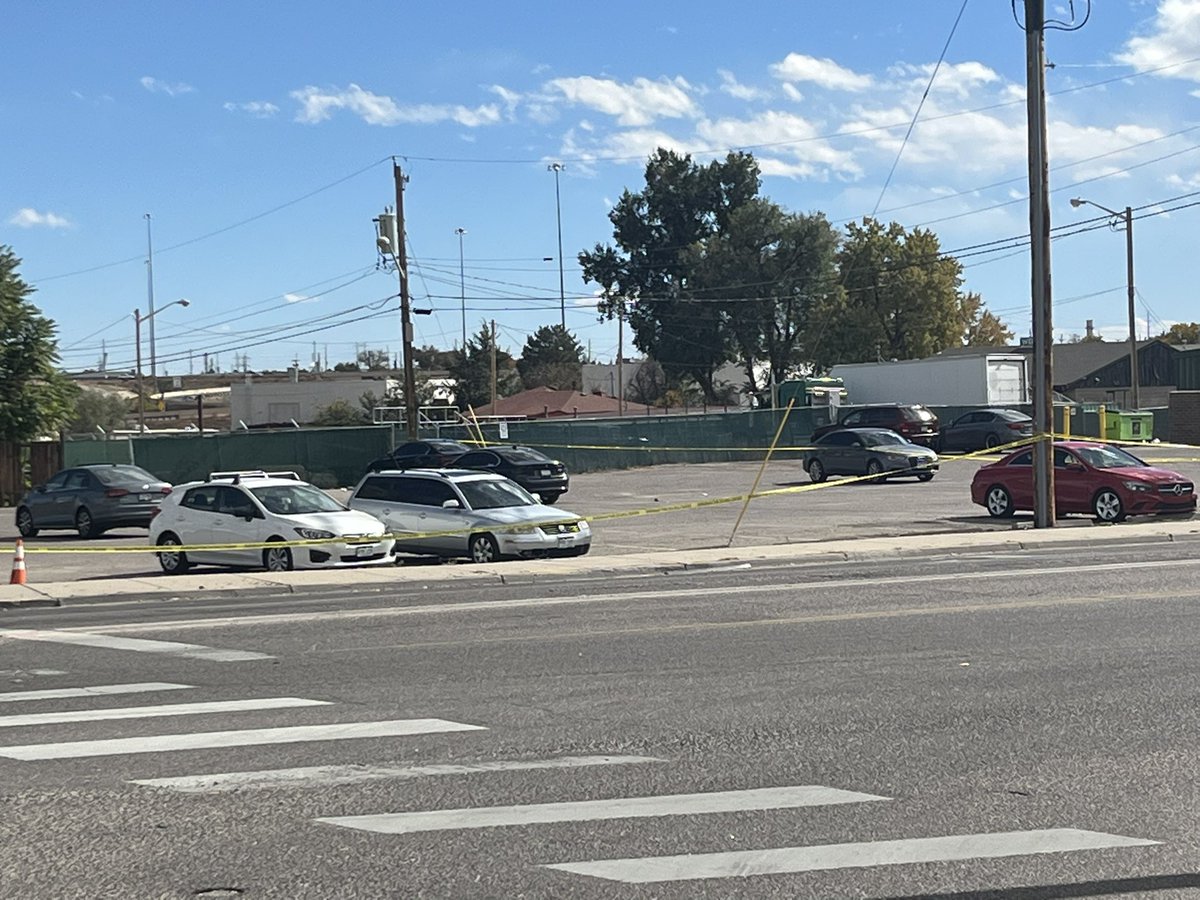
point(636, 104)
point(731, 86)
point(296, 298)
point(317, 105)
point(823, 72)
point(158, 86)
point(958, 79)
point(794, 136)
point(510, 99)
point(792, 92)
point(31, 218)
point(259, 109)
point(1174, 35)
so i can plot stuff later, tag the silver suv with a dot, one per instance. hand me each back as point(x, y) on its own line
point(477, 515)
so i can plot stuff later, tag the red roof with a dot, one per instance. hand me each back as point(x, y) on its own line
point(545, 402)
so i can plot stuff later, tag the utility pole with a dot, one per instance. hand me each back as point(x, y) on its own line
point(150, 298)
point(562, 294)
point(462, 285)
point(620, 362)
point(494, 376)
point(1039, 241)
point(1134, 374)
point(406, 328)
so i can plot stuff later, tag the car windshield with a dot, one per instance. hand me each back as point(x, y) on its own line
point(1108, 458)
point(295, 499)
point(123, 474)
point(524, 455)
point(495, 494)
point(881, 439)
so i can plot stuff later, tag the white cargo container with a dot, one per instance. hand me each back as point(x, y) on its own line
point(993, 379)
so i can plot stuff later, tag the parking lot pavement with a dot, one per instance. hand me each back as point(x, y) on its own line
point(633, 511)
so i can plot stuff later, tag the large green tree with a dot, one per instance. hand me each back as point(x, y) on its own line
point(552, 357)
point(902, 299)
point(97, 409)
point(649, 276)
point(36, 399)
point(1182, 333)
point(472, 372)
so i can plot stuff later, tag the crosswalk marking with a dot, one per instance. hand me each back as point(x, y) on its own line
point(789, 860)
point(246, 738)
point(150, 712)
point(324, 776)
point(592, 810)
point(138, 645)
point(93, 691)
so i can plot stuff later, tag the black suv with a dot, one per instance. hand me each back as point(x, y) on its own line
point(428, 454)
point(910, 420)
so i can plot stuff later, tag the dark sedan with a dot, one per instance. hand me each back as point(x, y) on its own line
point(985, 429)
point(92, 499)
point(433, 453)
point(876, 452)
point(531, 469)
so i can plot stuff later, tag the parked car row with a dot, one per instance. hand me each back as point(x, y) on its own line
point(979, 429)
point(530, 468)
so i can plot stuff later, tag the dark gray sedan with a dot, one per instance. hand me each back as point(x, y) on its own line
point(984, 429)
point(92, 499)
point(877, 452)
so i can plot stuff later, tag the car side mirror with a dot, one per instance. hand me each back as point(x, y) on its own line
point(537, 497)
point(41, 489)
point(451, 504)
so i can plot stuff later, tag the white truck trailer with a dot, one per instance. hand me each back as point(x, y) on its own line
point(993, 379)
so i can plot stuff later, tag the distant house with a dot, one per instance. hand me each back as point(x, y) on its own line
point(549, 403)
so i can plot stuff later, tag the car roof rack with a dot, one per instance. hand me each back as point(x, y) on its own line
point(236, 477)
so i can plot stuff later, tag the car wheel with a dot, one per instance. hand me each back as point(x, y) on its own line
point(999, 502)
point(173, 562)
point(991, 442)
point(925, 476)
point(483, 548)
point(550, 499)
point(277, 559)
point(25, 523)
point(84, 524)
point(875, 471)
point(1107, 506)
point(816, 471)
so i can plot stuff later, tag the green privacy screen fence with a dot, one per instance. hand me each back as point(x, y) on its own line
point(333, 457)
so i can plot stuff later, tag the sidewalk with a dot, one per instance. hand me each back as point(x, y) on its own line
point(229, 583)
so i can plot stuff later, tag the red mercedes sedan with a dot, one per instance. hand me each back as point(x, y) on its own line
point(1089, 477)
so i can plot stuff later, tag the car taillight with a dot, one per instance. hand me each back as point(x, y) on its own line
point(1017, 426)
point(166, 490)
point(115, 492)
point(154, 512)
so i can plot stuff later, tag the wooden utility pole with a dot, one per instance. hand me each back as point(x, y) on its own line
point(493, 367)
point(406, 329)
point(1039, 242)
point(620, 362)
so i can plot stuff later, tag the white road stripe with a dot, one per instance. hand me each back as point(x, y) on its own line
point(786, 860)
point(159, 743)
point(138, 645)
point(324, 776)
point(93, 691)
point(272, 619)
point(595, 810)
point(9, 673)
point(152, 712)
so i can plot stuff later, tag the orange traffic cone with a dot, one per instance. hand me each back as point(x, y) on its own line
point(18, 569)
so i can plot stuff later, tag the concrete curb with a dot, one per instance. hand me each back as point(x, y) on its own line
point(223, 584)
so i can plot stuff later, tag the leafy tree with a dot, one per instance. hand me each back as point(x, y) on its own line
point(1182, 333)
point(472, 372)
point(36, 399)
point(902, 299)
point(340, 413)
point(430, 357)
point(648, 385)
point(98, 409)
point(374, 360)
point(648, 277)
point(347, 367)
point(983, 327)
point(552, 357)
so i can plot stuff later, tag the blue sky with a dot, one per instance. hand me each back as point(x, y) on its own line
point(259, 138)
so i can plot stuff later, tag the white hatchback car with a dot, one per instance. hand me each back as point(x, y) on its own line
point(260, 508)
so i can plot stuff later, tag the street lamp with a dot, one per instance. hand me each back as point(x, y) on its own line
point(462, 285)
point(1127, 215)
point(562, 296)
point(138, 319)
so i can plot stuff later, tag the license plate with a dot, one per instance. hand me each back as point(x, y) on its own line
point(143, 498)
point(564, 542)
point(365, 550)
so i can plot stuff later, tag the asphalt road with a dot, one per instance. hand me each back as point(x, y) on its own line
point(837, 510)
point(1014, 725)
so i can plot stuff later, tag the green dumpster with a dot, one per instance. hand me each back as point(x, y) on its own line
point(1129, 426)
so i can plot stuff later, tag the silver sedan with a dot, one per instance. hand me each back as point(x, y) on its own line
point(876, 452)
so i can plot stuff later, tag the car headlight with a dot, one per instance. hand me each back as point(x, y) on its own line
point(314, 534)
point(1137, 485)
point(583, 525)
point(522, 529)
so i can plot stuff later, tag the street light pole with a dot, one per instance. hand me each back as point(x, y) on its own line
point(462, 286)
point(1127, 217)
point(562, 295)
point(138, 319)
